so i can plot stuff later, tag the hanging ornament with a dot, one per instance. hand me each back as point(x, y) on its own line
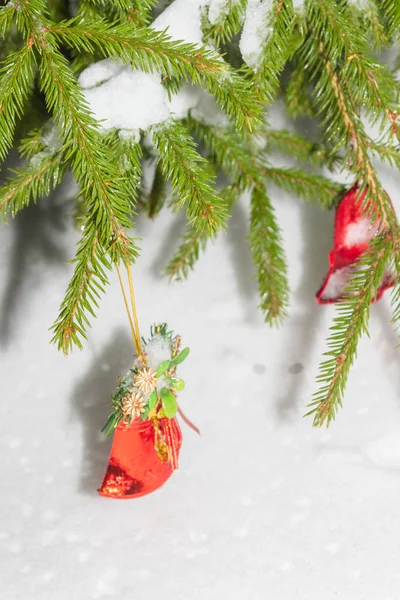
point(354, 230)
point(147, 436)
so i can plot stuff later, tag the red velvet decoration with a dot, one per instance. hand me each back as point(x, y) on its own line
point(353, 233)
point(134, 467)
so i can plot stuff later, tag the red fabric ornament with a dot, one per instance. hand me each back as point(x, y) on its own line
point(354, 230)
point(143, 456)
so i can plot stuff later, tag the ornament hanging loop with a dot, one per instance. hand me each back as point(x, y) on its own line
point(133, 319)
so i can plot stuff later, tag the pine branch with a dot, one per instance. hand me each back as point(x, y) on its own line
point(99, 179)
point(343, 127)
point(266, 247)
point(374, 25)
point(87, 12)
point(32, 144)
point(89, 278)
point(122, 4)
point(152, 51)
point(297, 92)
point(228, 22)
point(391, 10)
point(386, 153)
point(127, 157)
point(277, 50)
point(41, 175)
point(312, 187)
point(7, 15)
point(16, 78)
point(143, 9)
point(30, 14)
point(194, 241)
point(137, 13)
point(231, 152)
point(182, 165)
point(87, 283)
point(298, 147)
point(351, 322)
point(370, 83)
point(395, 295)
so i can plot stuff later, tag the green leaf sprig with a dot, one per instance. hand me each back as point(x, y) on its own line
point(133, 398)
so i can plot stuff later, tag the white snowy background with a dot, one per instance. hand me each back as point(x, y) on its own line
point(263, 505)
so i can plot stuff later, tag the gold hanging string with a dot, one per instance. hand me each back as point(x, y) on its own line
point(135, 318)
point(133, 332)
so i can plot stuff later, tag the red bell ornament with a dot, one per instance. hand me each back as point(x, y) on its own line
point(354, 230)
point(143, 456)
point(147, 436)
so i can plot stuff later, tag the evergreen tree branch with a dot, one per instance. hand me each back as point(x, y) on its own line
point(237, 160)
point(395, 295)
point(194, 241)
point(392, 13)
point(298, 147)
point(30, 13)
point(7, 16)
point(265, 242)
point(137, 13)
point(337, 96)
point(32, 144)
point(42, 174)
point(230, 152)
point(122, 4)
point(16, 78)
point(351, 322)
point(87, 283)
point(277, 49)
point(311, 187)
point(143, 10)
point(343, 127)
point(228, 23)
point(126, 155)
point(297, 90)
point(87, 11)
point(386, 153)
point(100, 180)
point(371, 83)
point(152, 51)
point(375, 25)
point(109, 209)
point(182, 165)
point(266, 248)
point(90, 278)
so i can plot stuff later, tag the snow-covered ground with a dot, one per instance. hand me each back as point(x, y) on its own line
point(263, 506)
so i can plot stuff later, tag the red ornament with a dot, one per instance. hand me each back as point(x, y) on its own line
point(143, 456)
point(354, 230)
